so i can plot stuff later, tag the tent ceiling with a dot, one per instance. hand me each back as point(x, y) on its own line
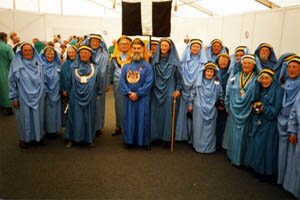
point(185, 8)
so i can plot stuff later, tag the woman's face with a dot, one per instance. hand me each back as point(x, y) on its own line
point(293, 70)
point(265, 81)
point(238, 55)
point(209, 74)
point(27, 51)
point(71, 53)
point(85, 55)
point(164, 48)
point(247, 66)
point(223, 62)
point(195, 49)
point(49, 54)
point(94, 43)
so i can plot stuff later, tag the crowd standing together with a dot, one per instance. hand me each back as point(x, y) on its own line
point(247, 104)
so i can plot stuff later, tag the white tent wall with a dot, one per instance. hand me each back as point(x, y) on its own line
point(279, 27)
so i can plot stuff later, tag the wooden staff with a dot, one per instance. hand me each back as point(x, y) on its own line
point(173, 123)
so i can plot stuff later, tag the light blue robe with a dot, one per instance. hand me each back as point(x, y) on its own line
point(53, 108)
point(100, 57)
point(292, 176)
point(240, 114)
point(191, 66)
point(206, 93)
point(114, 74)
point(27, 85)
point(167, 79)
point(291, 90)
point(262, 152)
point(83, 103)
point(137, 113)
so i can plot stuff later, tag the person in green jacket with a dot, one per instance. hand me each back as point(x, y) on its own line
point(6, 56)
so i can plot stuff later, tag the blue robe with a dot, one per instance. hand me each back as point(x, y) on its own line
point(240, 117)
point(222, 114)
point(262, 152)
point(53, 107)
point(27, 85)
point(100, 57)
point(83, 103)
point(167, 79)
point(137, 113)
point(114, 74)
point(212, 57)
point(291, 90)
point(191, 66)
point(206, 93)
point(292, 176)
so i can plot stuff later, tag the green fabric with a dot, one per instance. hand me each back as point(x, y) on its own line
point(111, 49)
point(6, 56)
point(39, 46)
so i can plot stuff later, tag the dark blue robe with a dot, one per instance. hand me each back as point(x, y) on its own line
point(137, 113)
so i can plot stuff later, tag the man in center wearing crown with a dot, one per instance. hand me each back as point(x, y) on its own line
point(136, 82)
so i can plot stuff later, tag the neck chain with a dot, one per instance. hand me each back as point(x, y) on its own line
point(84, 79)
point(244, 82)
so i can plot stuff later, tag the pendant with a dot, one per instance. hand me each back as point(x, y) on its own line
point(242, 92)
point(83, 79)
point(133, 77)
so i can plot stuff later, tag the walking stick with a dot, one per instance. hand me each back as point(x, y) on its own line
point(173, 123)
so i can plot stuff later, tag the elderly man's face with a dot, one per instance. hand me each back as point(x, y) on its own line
point(264, 53)
point(216, 48)
point(85, 55)
point(124, 46)
point(247, 66)
point(293, 70)
point(94, 43)
point(137, 52)
point(27, 51)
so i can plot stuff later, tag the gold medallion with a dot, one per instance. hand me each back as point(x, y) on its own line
point(133, 76)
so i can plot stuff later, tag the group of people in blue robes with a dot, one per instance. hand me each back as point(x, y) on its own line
point(246, 103)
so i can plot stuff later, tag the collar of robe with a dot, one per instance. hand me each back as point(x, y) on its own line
point(122, 62)
point(84, 79)
point(244, 82)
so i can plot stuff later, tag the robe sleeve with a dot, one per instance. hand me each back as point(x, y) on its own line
point(123, 83)
point(146, 86)
point(293, 123)
point(100, 81)
point(12, 85)
point(271, 111)
point(178, 79)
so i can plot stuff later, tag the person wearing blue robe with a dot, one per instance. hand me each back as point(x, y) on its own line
point(27, 93)
point(52, 66)
point(65, 88)
point(86, 87)
point(206, 93)
point(119, 58)
point(282, 65)
point(267, 58)
point(214, 49)
point(235, 58)
point(167, 86)
point(191, 63)
point(101, 59)
point(238, 102)
point(223, 63)
point(262, 152)
point(291, 90)
point(136, 81)
point(292, 177)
